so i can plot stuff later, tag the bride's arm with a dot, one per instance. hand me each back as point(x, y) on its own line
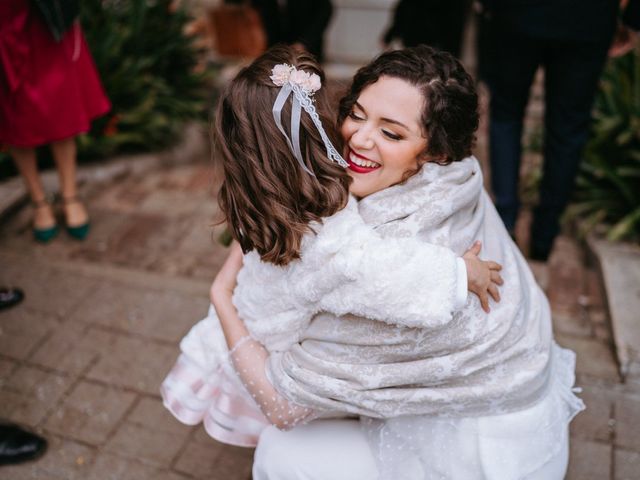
point(249, 356)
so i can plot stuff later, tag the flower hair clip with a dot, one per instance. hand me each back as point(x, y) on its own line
point(284, 73)
point(302, 85)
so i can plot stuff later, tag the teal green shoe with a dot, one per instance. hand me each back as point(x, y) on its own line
point(80, 232)
point(45, 235)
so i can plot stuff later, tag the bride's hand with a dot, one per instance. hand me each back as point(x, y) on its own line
point(226, 279)
point(482, 276)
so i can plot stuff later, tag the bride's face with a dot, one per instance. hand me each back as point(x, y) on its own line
point(383, 135)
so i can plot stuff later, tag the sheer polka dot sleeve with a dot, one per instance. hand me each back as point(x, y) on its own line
point(249, 358)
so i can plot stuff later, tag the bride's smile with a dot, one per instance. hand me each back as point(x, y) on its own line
point(383, 135)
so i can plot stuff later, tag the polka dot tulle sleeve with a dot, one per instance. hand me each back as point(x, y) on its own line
point(249, 358)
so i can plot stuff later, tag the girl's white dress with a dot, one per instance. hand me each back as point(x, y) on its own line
point(440, 395)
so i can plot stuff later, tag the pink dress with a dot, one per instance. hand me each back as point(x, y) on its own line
point(203, 387)
point(49, 91)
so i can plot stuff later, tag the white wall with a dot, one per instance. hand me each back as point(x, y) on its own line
point(353, 36)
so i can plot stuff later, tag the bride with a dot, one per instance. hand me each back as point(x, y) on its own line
point(474, 396)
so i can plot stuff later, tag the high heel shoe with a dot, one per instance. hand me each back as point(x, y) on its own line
point(44, 235)
point(79, 232)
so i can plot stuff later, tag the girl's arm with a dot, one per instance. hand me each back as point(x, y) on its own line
point(248, 355)
point(349, 268)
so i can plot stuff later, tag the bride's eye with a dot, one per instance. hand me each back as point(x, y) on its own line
point(391, 135)
point(354, 116)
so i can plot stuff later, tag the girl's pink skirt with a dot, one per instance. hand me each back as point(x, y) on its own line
point(203, 387)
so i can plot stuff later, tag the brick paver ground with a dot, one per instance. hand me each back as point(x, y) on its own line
point(81, 360)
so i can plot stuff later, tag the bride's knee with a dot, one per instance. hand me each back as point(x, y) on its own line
point(275, 457)
point(322, 449)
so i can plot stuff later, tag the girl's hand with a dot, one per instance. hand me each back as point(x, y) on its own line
point(482, 277)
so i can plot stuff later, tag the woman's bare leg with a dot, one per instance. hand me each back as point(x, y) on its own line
point(25, 160)
point(64, 154)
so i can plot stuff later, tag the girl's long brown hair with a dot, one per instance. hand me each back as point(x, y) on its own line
point(266, 197)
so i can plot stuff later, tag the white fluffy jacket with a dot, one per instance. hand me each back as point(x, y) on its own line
point(347, 268)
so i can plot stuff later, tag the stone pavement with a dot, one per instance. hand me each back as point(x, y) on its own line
point(81, 360)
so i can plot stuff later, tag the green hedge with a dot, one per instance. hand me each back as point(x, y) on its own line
point(608, 187)
point(147, 66)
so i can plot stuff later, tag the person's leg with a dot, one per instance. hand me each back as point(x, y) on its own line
point(26, 162)
point(572, 71)
point(513, 63)
point(556, 467)
point(322, 449)
point(307, 21)
point(270, 14)
point(64, 154)
point(455, 17)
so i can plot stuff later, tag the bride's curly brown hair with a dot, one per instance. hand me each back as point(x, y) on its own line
point(267, 198)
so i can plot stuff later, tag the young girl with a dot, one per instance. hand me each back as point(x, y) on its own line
point(477, 397)
point(307, 249)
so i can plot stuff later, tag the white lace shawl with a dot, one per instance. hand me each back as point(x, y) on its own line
point(471, 364)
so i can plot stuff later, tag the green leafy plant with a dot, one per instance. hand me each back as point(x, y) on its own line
point(608, 186)
point(148, 68)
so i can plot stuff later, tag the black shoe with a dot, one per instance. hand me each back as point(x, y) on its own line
point(18, 445)
point(10, 297)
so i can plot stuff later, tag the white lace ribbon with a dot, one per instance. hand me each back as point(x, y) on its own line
point(302, 100)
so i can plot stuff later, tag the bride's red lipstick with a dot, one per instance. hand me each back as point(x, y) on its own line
point(358, 168)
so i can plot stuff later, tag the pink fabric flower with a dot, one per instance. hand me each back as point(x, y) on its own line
point(280, 74)
point(298, 77)
point(312, 84)
point(283, 73)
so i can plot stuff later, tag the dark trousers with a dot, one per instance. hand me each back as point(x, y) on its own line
point(437, 23)
point(303, 21)
point(572, 70)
